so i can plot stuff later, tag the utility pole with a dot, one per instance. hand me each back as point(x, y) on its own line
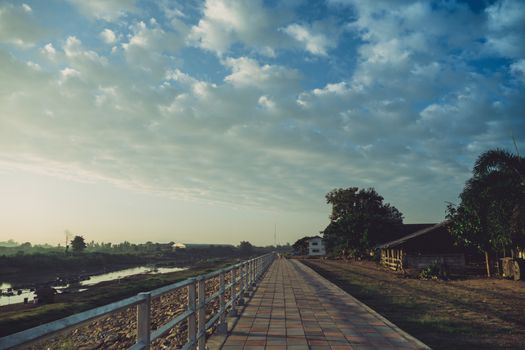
point(275, 235)
point(68, 236)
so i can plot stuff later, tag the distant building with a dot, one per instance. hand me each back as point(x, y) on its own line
point(316, 246)
point(176, 246)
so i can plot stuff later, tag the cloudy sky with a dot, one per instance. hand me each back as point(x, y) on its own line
point(214, 121)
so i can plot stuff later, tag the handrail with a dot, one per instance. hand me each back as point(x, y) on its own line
point(244, 274)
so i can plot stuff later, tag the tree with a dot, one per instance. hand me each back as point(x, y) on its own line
point(490, 216)
point(359, 221)
point(300, 247)
point(246, 248)
point(77, 244)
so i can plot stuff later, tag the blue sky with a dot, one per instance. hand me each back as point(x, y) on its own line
point(211, 121)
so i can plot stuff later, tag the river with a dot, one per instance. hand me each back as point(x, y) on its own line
point(9, 296)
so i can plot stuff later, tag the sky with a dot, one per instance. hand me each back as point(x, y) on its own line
point(219, 121)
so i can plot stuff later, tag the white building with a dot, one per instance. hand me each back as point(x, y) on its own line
point(316, 246)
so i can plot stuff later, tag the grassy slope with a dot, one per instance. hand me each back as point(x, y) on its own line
point(468, 314)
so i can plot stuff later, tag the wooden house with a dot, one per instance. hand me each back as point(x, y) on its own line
point(423, 248)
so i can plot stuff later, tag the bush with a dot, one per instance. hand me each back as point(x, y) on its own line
point(434, 271)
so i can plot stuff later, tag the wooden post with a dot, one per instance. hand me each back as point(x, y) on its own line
point(487, 262)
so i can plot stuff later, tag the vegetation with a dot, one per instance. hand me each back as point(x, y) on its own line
point(491, 214)
point(77, 244)
point(246, 248)
point(458, 314)
point(359, 221)
point(300, 247)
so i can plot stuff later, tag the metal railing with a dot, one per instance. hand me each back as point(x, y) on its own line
point(243, 278)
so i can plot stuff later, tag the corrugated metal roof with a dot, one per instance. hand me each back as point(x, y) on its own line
point(412, 235)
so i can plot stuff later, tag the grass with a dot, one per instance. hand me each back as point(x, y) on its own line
point(471, 313)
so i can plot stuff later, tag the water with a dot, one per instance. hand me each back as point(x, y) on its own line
point(115, 275)
point(94, 279)
point(14, 299)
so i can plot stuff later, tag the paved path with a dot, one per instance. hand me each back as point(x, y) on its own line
point(296, 308)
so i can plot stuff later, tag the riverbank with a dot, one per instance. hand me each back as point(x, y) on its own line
point(17, 318)
point(29, 270)
point(473, 313)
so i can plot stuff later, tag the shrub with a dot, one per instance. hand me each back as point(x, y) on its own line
point(433, 271)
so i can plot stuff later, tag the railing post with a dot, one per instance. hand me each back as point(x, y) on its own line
point(233, 296)
point(201, 314)
point(192, 331)
point(222, 327)
point(249, 276)
point(254, 264)
point(144, 321)
point(241, 284)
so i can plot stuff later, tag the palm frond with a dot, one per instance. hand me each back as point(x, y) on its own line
point(498, 160)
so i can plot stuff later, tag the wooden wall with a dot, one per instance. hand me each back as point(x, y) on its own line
point(452, 260)
point(397, 259)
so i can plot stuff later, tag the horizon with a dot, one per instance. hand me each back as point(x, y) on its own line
point(213, 121)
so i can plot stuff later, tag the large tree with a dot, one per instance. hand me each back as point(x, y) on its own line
point(490, 216)
point(78, 244)
point(359, 221)
point(300, 247)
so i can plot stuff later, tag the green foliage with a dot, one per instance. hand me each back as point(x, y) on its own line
point(433, 271)
point(490, 216)
point(78, 245)
point(359, 221)
point(300, 247)
point(246, 248)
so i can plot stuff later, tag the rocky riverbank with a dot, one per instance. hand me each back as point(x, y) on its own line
point(118, 330)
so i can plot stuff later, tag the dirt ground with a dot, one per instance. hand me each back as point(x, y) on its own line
point(470, 313)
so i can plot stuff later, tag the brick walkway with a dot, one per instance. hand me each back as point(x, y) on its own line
point(295, 308)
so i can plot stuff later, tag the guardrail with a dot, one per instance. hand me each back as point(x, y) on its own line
point(243, 277)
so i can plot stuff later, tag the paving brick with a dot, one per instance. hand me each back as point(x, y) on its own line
point(294, 308)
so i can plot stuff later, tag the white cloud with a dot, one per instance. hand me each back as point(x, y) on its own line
point(518, 69)
point(69, 72)
point(410, 111)
point(108, 36)
point(75, 51)
point(34, 65)
point(17, 25)
point(506, 22)
point(248, 22)
point(316, 43)
point(105, 10)
point(49, 51)
point(148, 45)
point(246, 72)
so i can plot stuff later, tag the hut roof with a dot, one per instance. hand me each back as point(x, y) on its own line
point(419, 233)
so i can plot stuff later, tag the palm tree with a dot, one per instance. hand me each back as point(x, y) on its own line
point(498, 166)
point(501, 161)
point(491, 215)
